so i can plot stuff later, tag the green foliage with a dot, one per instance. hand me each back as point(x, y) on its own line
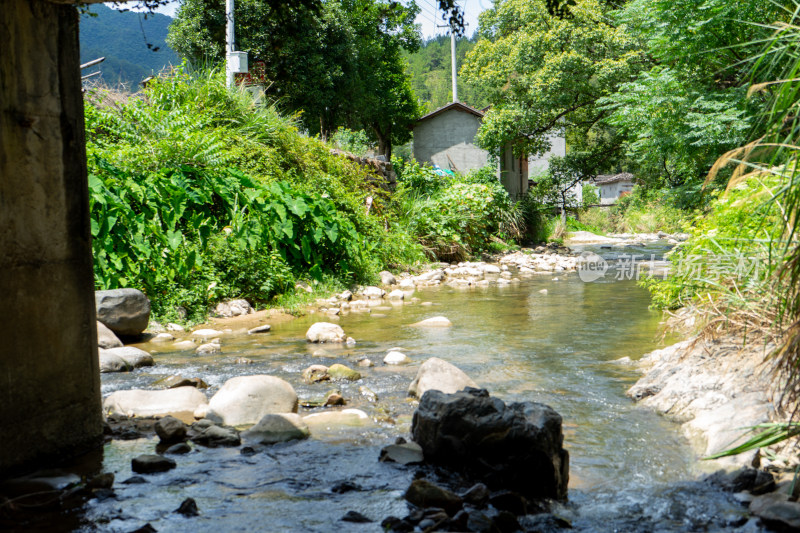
point(644, 210)
point(764, 435)
point(430, 71)
point(688, 106)
point(355, 142)
point(457, 220)
point(197, 194)
point(574, 224)
point(454, 216)
point(675, 129)
point(420, 179)
point(334, 63)
point(543, 73)
point(591, 195)
point(729, 253)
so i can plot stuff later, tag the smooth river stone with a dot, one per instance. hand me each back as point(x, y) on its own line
point(434, 322)
point(244, 400)
point(180, 403)
point(438, 374)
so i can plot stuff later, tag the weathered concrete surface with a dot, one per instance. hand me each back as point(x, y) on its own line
point(50, 404)
point(450, 136)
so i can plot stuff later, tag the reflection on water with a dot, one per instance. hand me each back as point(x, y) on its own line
point(558, 347)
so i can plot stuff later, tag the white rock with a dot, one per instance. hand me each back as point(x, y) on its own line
point(396, 358)
point(333, 419)
point(246, 399)
point(184, 345)
point(163, 337)
point(438, 374)
point(434, 322)
point(373, 293)
point(206, 334)
point(175, 327)
point(350, 341)
point(491, 269)
point(112, 363)
point(325, 332)
point(180, 402)
point(233, 308)
point(407, 284)
point(397, 294)
point(543, 291)
point(346, 296)
point(134, 357)
point(106, 338)
point(387, 278)
point(208, 349)
point(259, 329)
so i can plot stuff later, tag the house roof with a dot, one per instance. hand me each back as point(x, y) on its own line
point(457, 106)
point(607, 179)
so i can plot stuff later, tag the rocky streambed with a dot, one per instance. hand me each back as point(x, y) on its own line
point(525, 328)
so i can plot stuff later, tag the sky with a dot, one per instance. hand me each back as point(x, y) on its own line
point(429, 18)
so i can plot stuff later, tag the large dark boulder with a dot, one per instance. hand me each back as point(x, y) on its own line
point(124, 311)
point(517, 446)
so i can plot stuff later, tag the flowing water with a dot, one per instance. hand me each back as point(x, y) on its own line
point(631, 470)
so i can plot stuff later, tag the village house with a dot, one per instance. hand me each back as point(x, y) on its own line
point(612, 186)
point(446, 137)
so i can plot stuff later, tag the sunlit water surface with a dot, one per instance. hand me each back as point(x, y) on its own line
point(631, 470)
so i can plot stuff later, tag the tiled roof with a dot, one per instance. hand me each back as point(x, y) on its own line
point(458, 106)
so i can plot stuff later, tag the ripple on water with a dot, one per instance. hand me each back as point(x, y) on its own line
point(631, 470)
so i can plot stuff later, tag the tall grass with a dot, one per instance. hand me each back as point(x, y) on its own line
point(774, 157)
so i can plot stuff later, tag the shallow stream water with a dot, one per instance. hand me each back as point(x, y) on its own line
point(631, 470)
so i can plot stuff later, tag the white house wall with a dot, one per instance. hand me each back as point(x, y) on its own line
point(448, 140)
point(609, 193)
point(537, 165)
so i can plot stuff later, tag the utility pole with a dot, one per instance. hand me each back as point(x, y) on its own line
point(453, 66)
point(235, 62)
point(453, 70)
point(230, 41)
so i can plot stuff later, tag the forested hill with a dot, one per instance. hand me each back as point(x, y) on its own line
point(123, 38)
point(430, 73)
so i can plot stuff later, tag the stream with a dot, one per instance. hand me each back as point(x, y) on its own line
point(630, 469)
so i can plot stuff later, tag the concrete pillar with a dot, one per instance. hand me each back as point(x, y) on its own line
point(49, 377)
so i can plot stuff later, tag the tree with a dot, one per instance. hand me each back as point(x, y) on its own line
point(335, 63)
point(544, 70)
point(429, 69)
point(689, 105)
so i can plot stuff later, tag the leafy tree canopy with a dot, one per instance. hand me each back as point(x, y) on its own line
point(336, 62)
point(544, 71)
point(429, 68)
point(689, 106)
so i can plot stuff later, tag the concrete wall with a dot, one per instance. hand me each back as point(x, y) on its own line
point(513, 173)
point(448, 140)
point(558, 147)
point(50, 381)
point(609, 193)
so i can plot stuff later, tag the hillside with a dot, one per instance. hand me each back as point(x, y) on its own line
point(429, 68)
point(123, 38)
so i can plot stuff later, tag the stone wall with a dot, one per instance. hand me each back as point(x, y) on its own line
point(50, 405)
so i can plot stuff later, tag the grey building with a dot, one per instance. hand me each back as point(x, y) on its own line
point(446, 137)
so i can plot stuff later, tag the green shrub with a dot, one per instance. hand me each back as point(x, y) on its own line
point(591, 196)
point(198, 194)
point(355, 142)
point(729, 254)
